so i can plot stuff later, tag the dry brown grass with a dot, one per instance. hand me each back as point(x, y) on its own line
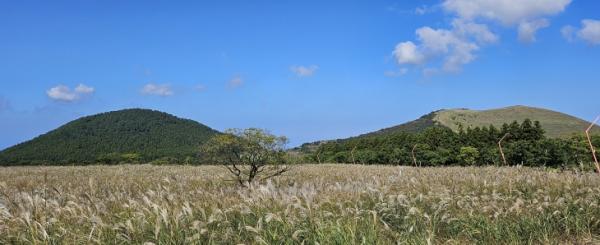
point(329, 204)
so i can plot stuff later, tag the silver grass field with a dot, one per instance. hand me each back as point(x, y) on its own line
point(311, 204)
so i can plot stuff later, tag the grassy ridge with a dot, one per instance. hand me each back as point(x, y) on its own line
point(329, 204)
point(555, 123)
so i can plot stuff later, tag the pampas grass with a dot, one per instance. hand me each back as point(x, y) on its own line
point(325, 204)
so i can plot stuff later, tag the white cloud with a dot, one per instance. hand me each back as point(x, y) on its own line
point(235, 82)
point(65, 94)
point(454, 46)
point(507, 12)
point(407, 53)
point(469, 32)
point(526, 14)
point(163, 90)
point(590, 31)
point(61, 93)
point(461, 54)
point(527, 29)
point(304, 71)
point(83, 89)
point(436, 41)
point(480, 32)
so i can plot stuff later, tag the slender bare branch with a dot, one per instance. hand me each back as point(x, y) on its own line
point(500, 147)
point(318, 158)
point(413, 155)
point(592, 148)
point(277, 172)
point(352, 153)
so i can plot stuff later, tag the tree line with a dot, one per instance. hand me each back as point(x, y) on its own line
point(525, 144)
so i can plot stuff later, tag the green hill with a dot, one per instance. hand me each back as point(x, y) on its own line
point(556, 124)
point(133, 134)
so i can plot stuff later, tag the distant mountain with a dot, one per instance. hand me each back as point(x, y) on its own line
point(146, 135)
point(556, 124)
point(140, 134)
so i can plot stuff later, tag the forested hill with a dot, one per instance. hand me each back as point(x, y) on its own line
point(556, 124)
point(129, 135)
point(524, 144)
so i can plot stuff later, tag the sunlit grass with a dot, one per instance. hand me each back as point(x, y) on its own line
point(329, 204)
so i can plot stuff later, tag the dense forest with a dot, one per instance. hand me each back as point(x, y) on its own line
point(525, 144)
point(125, 136)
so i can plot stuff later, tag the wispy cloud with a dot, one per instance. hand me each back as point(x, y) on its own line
point(84, 89)
point(421, 10)
point(424, 9)
point(527, 29)
point(200, 88)
point(396, 9)
point(568, 32)
point(304, 71)
point(235, 82)
point(65, 94)
point(397, 73)
point(163, 90)
point(4, 104)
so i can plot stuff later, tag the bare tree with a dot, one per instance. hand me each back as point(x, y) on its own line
point(500, 147)
point(592, 148)
point(413, 155)
point(319, 158)
point(249, 154)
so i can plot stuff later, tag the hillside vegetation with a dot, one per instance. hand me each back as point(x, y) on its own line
point(525, 144)
point(131, 135)
point(416, 126)
point(556, 124)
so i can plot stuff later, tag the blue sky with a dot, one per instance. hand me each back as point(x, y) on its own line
point(309, 70)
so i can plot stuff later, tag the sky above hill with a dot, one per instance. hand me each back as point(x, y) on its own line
point(309, 70)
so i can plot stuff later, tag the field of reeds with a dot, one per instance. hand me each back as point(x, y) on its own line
point(324, 204)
